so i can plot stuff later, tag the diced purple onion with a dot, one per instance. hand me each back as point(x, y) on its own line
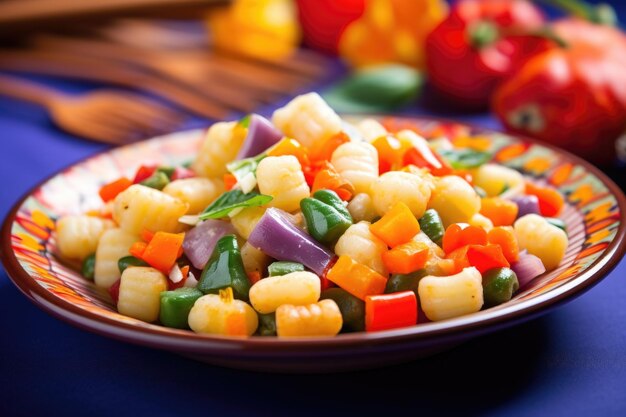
point(527, 268)
point(261, 135)
point(201, 240)
point(279, 238)
point(526, 204)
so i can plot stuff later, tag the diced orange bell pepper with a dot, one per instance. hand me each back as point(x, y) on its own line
point(486, 257)
point(505, 237)
point(406, 258)
point(500, 211)
point(457, 236)
point(146, 235)
point(550, 200)
point(390, 311)
point(137, 249)
point(397, 226)
point(229, 181)
point(359, 280)
point(390, 153)
point(288, 146)
point(163, 250)
point(323, 150)
point(329, 179)
point(109, 191)
point(459, 257)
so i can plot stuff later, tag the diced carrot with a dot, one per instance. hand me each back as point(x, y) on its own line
point(355, 278)
point(163, 250)
point(457, 236)
point(550, 200)
point(229, 181)
point(109, 191)
point(397, 226)
point(185, 271)
point(236, 324)
point(323, 150)
point(500, 211)
point(146, 235)
point(254, 276)
point(137, 249)
point(406, 258)
point(486, 257)
point(505, 237)
point(289, 146)
point(327, 178)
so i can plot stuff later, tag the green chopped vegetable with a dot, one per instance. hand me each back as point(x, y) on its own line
point(176, 305)
point(129, 260)
point(432, 226)
point(169, 171)
point(89, 266)
point(284, 268)
point(241, 168)
point(157, 180)
point(499, 284)
point(267, 324)
point(326, 216)
point(245, 121)
point(225, 269)
point(352, 309)
point(465, 158)
point(554, 221)
point(232, 200)
point(405, 282)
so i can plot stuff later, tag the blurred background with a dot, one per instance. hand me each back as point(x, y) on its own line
point(115, 71)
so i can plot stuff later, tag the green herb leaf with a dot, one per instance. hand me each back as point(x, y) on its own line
point(243, 167)
point(232, 200)
point(245, 121)
point(465, 158)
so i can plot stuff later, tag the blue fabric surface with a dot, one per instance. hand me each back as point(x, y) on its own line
point(572, 360)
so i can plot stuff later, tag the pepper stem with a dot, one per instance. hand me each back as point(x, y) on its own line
point(603, 13)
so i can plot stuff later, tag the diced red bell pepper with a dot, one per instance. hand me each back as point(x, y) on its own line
point(144, 172)
point(390, 311)
point(486, 257)
point(457, 236)
point(114, 291)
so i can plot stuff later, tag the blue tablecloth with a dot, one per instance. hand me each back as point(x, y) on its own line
point(569, 362)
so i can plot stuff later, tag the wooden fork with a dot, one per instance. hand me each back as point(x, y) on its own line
point(109, 116)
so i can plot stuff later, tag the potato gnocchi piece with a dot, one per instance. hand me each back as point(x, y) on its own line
point(361, 208)
point(299, 288)
point(455, 200)
point(221, 314)
point(220, 146)
point(498, 180)
point(481, 221)
point(395, 186)
point(78, 235)
point(360, 244)
point(358, 163)
point(282, 178)
point(140, 207)
point(308, 119)
point(140, 293)
point(542, 239)
point(371, 129)
point(452, 296)
point(113, 245)
point(319, 319)
point(198, 193)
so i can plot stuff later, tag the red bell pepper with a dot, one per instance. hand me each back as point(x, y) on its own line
point(573, 96)
point(457, 236)
point(144, 172)
point(479, 44)
point(390, 311)
point(114, 291)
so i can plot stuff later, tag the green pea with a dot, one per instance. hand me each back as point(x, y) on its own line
point(267, 324)
point(352, 309)
point(405, 282)
point(499, 284)
point(89, 267)
point(127, 261)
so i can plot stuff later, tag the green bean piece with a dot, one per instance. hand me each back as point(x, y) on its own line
point(405, 282)
point(225, 269)
point(352, 309)
point(89, 267)
point(432, 226)
point(499, 284)
point(284, 268)
point(176, 305)
point(267, 324)
point(127, 261)
point(158, 180)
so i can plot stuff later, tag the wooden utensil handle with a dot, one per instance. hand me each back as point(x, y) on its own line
point(22, 89)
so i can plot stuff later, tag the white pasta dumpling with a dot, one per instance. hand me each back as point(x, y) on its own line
point(140, 207)
point(140, 293)
point(358, 163)
point(318, 319)
point(198, 192)
point(78, 235)
point(360, 244)
point(113, 245)
point(452, 296)
point(479, 220)
point(220, 146)
point(298, 288)
point(361, 208)
point(371, 129)
point(245, 221)
point(395, 186)
point(542, 239)
point(454, 199)
point(498, 180)
point(221, 314)
point(308, 119)
point(282, 178)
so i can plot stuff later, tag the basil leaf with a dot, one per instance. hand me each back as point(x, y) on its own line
point(232, 200)
point(465, 158)
point(243, 167)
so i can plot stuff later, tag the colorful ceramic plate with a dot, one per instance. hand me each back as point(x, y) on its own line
point(593, 217)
